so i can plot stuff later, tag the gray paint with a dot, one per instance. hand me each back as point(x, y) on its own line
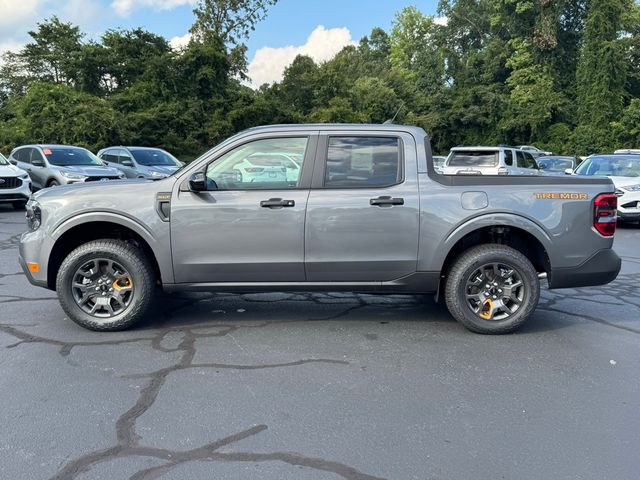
point(331, 236)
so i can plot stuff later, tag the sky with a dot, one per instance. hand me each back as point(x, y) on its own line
point(319, 28)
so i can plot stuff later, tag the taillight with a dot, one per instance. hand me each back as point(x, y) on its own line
point(605, 213)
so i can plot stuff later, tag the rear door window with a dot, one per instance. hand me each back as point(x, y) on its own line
point(508, 158)
point(22, 155)
point(362, 162)
point(473, 159)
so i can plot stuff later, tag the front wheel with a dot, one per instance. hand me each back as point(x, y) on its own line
point(492, 289)
point(106, 285)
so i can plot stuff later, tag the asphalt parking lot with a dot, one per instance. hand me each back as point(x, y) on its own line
point(322, 386)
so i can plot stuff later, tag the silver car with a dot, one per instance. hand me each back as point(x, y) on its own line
point(141, 162)
point(15, 186)
point(53, 165)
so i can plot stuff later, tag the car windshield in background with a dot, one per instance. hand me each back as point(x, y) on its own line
point(68, 156)
point(611, 166)
point(152, 157)
point(3, 161)
point(473, 159)
point(555, 164)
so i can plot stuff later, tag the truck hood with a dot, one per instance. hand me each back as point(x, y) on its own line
point(94, 192)
point(10, 171)
point(92, 170)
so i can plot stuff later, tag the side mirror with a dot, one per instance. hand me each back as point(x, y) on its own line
point(126, 163)
point(198, 182)
point(568, 171)
point(37, 163)
point(12, 161)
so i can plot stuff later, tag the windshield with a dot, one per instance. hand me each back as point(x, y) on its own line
point(152, 157)
point(68, 156)
point(473, 159)
point(555, 164)
point(3, 160)
point(611, 166)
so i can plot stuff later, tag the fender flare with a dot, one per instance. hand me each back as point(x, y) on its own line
point(162, 257)
point(494, 219)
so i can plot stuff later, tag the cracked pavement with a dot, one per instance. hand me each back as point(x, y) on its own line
point(320, 386)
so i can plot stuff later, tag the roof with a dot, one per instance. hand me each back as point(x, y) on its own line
point(389, 127)
point(50, 145)
point(485, 148)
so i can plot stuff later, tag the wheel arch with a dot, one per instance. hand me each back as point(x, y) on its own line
point(78, 231)
point(517, 232)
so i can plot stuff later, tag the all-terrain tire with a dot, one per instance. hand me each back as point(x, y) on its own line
point(469, 262)
point(132, 259)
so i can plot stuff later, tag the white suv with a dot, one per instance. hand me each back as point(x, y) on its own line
point(15, 185)
point(489, 161)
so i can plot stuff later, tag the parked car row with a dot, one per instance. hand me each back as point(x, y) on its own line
point(33, 167)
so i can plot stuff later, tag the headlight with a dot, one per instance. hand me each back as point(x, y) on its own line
point(33, 215)
point(24, 176)
point(121, 175)
point(157, 174)
point(632, 188)
point(73, 176)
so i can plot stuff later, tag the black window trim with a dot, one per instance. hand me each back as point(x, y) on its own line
point(323, 153)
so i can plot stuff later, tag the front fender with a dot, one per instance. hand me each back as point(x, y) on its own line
point(157, 238)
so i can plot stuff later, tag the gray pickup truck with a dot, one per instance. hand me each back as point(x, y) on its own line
point(356, 208)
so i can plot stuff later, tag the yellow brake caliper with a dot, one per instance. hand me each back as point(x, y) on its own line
point(122, 283)
point(484, 311)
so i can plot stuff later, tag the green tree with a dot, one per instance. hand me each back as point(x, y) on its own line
point(602, 72)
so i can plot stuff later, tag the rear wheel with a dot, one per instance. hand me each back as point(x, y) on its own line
point(53, 183)
point(106, 285)
point(492, 289)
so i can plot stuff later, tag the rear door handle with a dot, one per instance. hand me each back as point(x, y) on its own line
point(386, 201)
point(277, 203)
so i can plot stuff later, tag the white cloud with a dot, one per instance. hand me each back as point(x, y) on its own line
point(125, 7)
point(269, 63)
point(180, 41)
point(15, 13)
point(441, 21)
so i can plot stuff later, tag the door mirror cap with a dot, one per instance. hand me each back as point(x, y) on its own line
point(37, 163)
point(12, 161)
point(127, 163)
point(198, 182)
point(568, 171)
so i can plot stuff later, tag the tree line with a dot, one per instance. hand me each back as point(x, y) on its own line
point(563, 75)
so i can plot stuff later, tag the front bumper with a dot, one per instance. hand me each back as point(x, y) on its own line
point(629, 206)
point(602, 268)
point(19, 194)
point(31, 251)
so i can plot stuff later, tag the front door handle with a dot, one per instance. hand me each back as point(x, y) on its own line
point(277, 203)
point(386, 201)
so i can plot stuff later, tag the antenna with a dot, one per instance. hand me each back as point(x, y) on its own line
point(391, 120)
